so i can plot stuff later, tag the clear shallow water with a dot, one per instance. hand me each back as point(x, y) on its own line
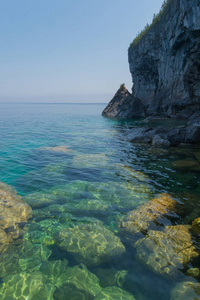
point(89, 185)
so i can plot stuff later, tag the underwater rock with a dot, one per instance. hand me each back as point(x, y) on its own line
point(13, 213)
point(32, 255)
point(54, 269)
point(9, 261)
point(58, 149)
point(127, 171)
point(149, 215)
point(109, 277)
point(197, 156)
point(126, 196)
point(77, 281)
point(194, 272)
point(185, 164)
point(196, 225)
point(168, 251)
point(43, 178)
point(90, 161)
point(13, 210)
point(114, 293)
point(26, 286)
point(91, 244)
point(186, 291)
point(40, 199)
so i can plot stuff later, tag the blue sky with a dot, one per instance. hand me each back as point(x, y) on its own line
point(68, 50)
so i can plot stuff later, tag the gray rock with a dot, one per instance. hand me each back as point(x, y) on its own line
point(177, 135)
point(159, 140)
point(124, 105)
point(193, 134)
point(156, 136)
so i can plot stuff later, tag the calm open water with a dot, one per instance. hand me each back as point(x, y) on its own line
point(95, 179)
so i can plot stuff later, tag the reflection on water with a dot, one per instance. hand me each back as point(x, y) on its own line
point(84, 214)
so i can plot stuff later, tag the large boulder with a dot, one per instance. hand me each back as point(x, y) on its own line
point(91, 244)
point(166, 252)
point(124, 105)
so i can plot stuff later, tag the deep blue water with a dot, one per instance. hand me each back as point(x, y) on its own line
point(96, 176)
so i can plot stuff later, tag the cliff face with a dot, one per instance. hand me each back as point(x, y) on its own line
point(165, 62)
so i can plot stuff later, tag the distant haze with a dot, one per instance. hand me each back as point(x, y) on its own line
point(68, 50)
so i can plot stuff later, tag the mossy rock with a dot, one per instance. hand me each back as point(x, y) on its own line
point(166, 252)
point(114, 293)
point(91, 244)
point(186, 291)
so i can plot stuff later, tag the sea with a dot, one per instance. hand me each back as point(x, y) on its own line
point(82, 179)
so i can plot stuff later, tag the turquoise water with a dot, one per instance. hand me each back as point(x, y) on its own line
point(81, 177)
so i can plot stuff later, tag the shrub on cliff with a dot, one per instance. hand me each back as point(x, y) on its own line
point(156, 18)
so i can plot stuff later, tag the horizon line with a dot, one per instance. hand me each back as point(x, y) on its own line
point(53, 102)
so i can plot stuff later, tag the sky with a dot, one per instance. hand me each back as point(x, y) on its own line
point(68, 50)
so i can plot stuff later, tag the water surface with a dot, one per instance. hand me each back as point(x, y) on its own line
point(79, 174)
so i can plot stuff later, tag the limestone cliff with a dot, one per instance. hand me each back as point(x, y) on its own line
point(165, 61)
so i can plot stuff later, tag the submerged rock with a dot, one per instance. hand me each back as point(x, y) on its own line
point(185, 164)
point(150, 215)
point(13, 213)
point(114, 293)
point(90, 161)
point(13, 209)
point(77, 283)
point(40, 199)
point(196, 225)
point(166, 252)
point(124, 105)
point(91, 244)
point(26, 286)
point(54, 270)
point(109, 277)
point(186, 291)
point(58, 149)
